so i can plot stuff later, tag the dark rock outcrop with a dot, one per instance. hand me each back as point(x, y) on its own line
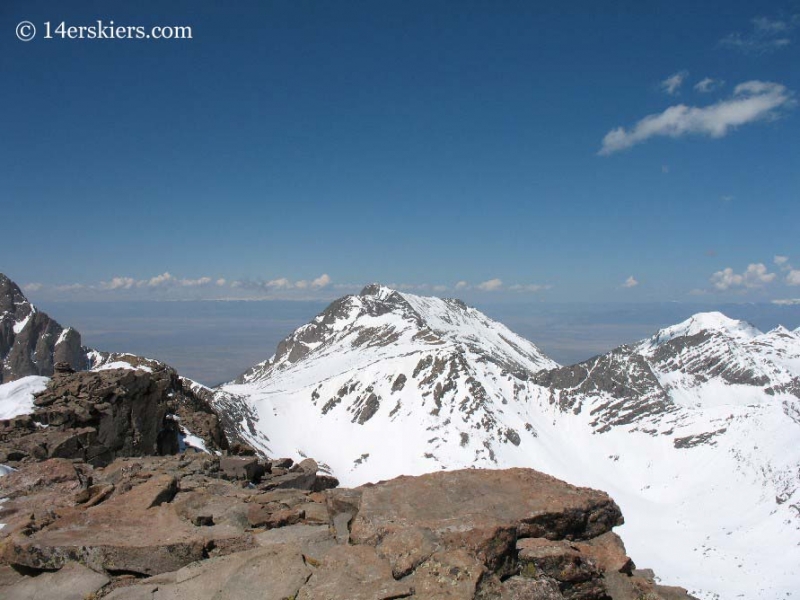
point(30, 341)
point(99, 416)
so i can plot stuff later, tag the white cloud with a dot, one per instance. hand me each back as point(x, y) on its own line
point(630, 282)
point(490, 286)
point(755, 276)
point(673, 83)
point(281, 283)
point(706, 85)
point(793, 277)
point(159, 280)
point(32, 287)
point(284, 284)
point(787, 302)
point(221, 281)
point(767, 35)
point(780, 260)
point(118, 283)
point(166, 280)
point(726, 198)
point(321, 281)
point(440, 288)
point(750, 102)
point(462, 285)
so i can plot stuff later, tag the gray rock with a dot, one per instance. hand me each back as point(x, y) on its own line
point(265, 573)
point(354, 573)
point(72, 582)
point(39, 344)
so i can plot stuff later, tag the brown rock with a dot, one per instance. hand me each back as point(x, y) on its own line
point(521, 588)
point(247, 468)
point(452, 575)
point(483, 511)
point(264, 573)
point(131, 532)
point(72, 582)
point(406, 549)
point(353, 573)
point(314, 541)
point(608, 552)
point(577, 575)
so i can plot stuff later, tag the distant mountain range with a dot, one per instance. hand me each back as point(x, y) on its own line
point(694, 431)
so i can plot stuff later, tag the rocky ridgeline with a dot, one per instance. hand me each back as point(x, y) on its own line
point(98, 416)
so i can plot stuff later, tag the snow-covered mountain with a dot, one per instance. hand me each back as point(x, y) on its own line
point(694, 431)
point(394, 383)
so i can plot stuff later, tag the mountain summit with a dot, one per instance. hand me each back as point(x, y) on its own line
point(394, 380)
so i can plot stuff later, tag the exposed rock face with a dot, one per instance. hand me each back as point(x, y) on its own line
point(30, 341)
point(99, 416)
point(169, 528)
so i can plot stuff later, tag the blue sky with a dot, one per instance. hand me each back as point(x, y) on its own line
point(522, 151)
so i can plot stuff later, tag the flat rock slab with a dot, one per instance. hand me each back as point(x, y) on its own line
point(482, 511)
point(354, 573)
point(538, 504)
point(264, 573)
point(132, 532)
point(72, 582)
point(313, 541)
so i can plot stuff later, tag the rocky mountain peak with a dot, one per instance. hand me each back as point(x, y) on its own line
point(30, 341)
point(12, 300)
point(705, 324)
point(377, 290)
point(382, 318)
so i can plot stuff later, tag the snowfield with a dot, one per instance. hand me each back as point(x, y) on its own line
point(16, 397)
point(702, 455)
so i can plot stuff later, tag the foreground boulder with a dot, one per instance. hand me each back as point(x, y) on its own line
point(177, 527)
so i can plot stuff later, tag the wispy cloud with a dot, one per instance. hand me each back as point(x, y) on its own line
point(755, 276)
point(750, 102)
point(284, 284)
point(492, 285)
point(672, 84)
point(32, 287)
point(793, 277)
point(163, 280)
point(780, 260)
point(630, 282)
point(787, 302)
point(706, 85)
point(166, 286)
point(765, 35)
point(529, 287)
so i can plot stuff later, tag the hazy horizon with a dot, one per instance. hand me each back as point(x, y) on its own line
point(213, 342)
